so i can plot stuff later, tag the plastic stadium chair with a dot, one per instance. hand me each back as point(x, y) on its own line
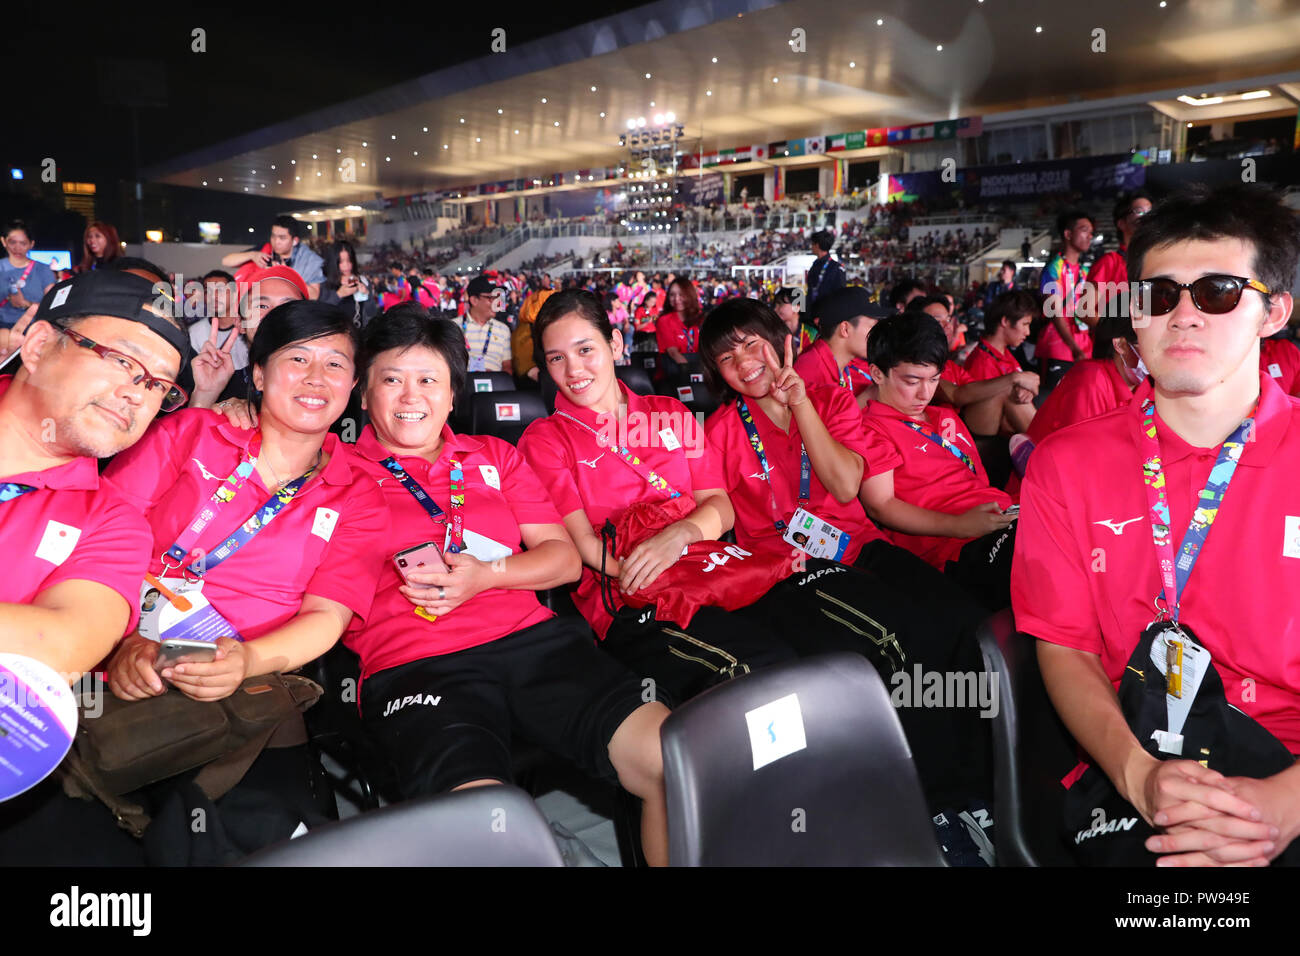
point(1032, 751)
point(481, 826)
point(477, 383)
point(848, 796)
point(504, 414)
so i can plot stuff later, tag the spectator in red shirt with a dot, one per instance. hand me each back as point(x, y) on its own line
point(992, 401)
point(473, 634)
point(1007, 325)
point(75, 549)
point(1280, 358)
point(1107, 280)
point(1129, 483)
point(925, 479)
point(678, 330)
point(845, 319)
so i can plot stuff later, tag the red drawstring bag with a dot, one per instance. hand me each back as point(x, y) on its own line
point(708, 574)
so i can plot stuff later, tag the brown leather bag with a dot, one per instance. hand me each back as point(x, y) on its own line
point(133, 744)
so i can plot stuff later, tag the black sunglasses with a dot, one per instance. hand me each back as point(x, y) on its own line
point(1213, 295)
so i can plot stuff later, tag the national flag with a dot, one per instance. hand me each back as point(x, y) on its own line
point(758, 151)
point(814, 145)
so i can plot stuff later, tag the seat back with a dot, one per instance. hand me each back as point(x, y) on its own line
point(477, 383)
point(801, 764)
point(504, 415)
point(1032, 751)
point(636, 378)
point(481, 826)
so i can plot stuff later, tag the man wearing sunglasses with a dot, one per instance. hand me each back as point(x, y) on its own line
point(99, 361)
point(1176, 515)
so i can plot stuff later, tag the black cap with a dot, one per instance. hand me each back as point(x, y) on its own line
point(846, 304)
point(120, 294)
point(481, 285)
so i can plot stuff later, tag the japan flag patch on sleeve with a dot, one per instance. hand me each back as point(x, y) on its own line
point(57, 542)
point(323, 525)
point(1291, 537)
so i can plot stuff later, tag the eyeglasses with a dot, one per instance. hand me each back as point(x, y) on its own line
point(1213, 295)
point(173, 395)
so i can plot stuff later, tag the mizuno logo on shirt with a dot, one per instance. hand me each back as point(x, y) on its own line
point(759, 475)
point(1117, 527)
point(204, 471)
point(592, 462)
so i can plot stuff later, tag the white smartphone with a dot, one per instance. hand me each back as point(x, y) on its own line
point(422, 557)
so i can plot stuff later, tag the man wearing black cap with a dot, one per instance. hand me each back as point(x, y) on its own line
point(486, 339)
point(826, 275)
point(845, 319)
point(99, 361)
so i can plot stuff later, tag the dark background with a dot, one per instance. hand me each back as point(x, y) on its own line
point(72, 71)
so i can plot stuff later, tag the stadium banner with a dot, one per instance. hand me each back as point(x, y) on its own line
point(1092, 177)
point(700, 190)
point(595, 201)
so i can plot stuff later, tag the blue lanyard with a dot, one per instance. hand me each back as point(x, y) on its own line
point(755, 442)
point(464, 327)
point(11, 490)
point(944, 444)
point(1175, 572)
point(430, 506)
point(245, 533)
point(846, 379)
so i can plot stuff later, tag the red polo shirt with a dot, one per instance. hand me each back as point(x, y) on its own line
point(748, 488)
point(501, 493)
point(581, 474)
point(1280, 360)
point(76, 527)
point(927, 475)
point(986, 362)
point(816, 365)
point(671, 333)
point(328, 541)
point(1107, 274)
point(1085, 573)
point(1090, 388)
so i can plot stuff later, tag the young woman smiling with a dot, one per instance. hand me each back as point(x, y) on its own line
point(456, 660)
point(604, 450)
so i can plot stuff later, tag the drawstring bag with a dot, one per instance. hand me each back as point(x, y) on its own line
point(708, 574)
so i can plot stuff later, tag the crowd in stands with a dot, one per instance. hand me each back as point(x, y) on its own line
point(920, 453)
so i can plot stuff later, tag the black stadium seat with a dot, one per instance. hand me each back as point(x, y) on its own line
point(481, 826)
point(488, 382)
point(504, 414)
point(687, 386)
point(833, 786)
point(1032, 751)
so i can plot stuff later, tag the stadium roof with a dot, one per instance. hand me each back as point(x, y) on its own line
point(561, 103)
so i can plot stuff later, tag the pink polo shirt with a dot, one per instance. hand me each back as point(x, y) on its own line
point(987, 362)
point(1085, 573)
point(751, 496)
point(1090, 388)
point(328, 541)
point(75, 527)
point(927, 475)
point(501, 493)
point(581, 474)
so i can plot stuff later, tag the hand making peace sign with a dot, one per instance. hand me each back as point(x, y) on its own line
point(787, 387)
point(214, 366)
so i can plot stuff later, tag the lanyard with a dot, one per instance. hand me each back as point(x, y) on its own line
point(648, 475)
point(11, 490)
point(943, 443)
point(805, 466)
point(846, 379)
point(245, 533)
point(692, 337)
point(1174, 573)
point(456, 479)
point(464, 327)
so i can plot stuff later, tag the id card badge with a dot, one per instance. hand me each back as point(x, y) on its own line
point(815, 537)
point(1183, 662)
point(175, 609)
point(480, 546)
point(477, 363)
point(38, 718)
